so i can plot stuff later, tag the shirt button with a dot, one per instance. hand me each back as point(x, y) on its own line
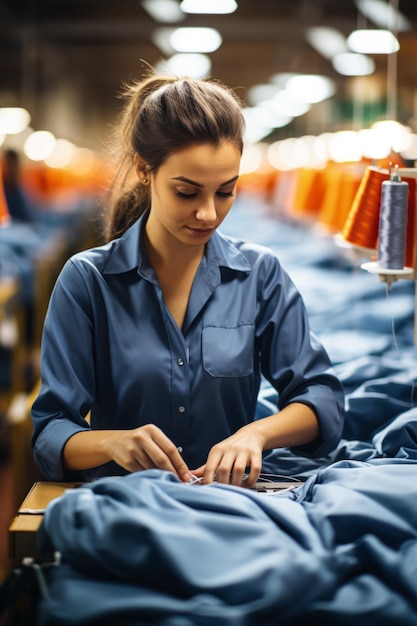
point(181, 409)
point(180, 361)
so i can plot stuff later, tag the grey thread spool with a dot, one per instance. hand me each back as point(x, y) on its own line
point(393, 222)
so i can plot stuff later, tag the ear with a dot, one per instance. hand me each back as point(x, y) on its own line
point(141, 169)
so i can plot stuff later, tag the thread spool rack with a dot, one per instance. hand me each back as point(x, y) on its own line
point(386, 275)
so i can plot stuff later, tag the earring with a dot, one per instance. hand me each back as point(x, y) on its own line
point(145, 181)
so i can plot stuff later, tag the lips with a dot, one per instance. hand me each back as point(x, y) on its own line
point(201, 232)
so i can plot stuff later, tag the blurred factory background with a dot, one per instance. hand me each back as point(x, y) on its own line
point(328, 87)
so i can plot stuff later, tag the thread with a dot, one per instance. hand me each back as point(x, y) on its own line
point(362, 223)
point(361, 227)
point(393, 222)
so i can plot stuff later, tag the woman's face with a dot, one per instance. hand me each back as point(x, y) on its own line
point(192, 193)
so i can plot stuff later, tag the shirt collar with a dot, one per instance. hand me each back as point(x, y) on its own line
point(128, 252)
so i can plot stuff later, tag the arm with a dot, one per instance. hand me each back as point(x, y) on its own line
point(76, 359)
point(310, 397)
point(295, 425)
point(138, 449)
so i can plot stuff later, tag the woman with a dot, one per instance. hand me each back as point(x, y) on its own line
point(163, 333)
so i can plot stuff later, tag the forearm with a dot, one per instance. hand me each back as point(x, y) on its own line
point(295, 425)
point(141, 448)
point(88, 449)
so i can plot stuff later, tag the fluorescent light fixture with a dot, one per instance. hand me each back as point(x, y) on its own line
point(310, 88)
point(287, 105)
point(345, 146)
point(398, 134)
point(353, 64)
point(261, 92)
point(182, 64)
point(164, 11)
point(374, 144)
point(219, 7)
point(199, 39)
point(257, 125)
point(252, 158)
point(289, 154)
point(369, 41)
point(273, 116)
point(275, 98)
point(161, 39)
point(13, 120)
point(383, 14)
point(410, 152)
point(326, 41)
point(281, 79)
point(39, 145)
point(62, 155)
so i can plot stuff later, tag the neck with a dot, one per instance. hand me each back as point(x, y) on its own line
point(173, 256)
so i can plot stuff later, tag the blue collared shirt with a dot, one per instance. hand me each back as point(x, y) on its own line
point(110, 345)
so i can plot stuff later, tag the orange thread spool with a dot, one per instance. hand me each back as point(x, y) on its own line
point(411, 236)
point(342, 185)
point(4, 209)
point(362, 222)
point(309, 193)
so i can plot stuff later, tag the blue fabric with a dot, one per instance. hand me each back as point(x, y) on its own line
point(111, 345)
point(146, 548)
point(337, 551)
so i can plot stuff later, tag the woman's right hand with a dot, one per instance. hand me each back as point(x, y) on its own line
point(145, 447)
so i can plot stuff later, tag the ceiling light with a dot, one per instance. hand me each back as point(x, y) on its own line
point(208, 6)
point(165, 11)
point(281, 79)
point(257, 126)
point(288, 154)
point(13, 120)
point(262, 92)
point(383, 14)
point(345, 146)
point(374, 144)
point(370, 41)
point(195, 39)
point(252, 158)
point(161, 37)
point(181, 64)
point(39, 145)
point(310, 88)
point(274, 117)
point(286, 105)
point(397, 133)
point(62, 155)
point(353, 64)
point(327, 41)
point(410, 152)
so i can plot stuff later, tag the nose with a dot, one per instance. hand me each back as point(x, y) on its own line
point(207, 212)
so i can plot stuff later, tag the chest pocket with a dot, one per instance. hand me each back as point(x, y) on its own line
point(228, 352)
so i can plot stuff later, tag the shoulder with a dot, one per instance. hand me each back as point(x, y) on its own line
point(255, 255)
point(88, 261)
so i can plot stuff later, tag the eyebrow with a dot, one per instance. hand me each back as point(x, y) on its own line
point(193, 182)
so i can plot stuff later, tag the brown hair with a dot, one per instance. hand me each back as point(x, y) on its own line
point(161, 116)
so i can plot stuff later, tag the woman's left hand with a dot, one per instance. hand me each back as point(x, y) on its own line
point(231, 459)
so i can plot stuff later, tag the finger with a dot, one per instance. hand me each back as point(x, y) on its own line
point(199, 471)
point(255, 470)
point(166, 456)
point(211, 468)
